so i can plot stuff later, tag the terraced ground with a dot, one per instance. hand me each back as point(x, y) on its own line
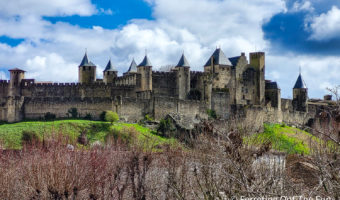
point(10, 134)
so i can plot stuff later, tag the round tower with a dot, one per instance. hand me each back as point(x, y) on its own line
point(183, 78)
point(17, 75)
point(145, 69)
point(87, 71)
point(300, 95)
point(110, 73)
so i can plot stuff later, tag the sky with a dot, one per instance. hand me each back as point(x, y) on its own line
point(49, 38)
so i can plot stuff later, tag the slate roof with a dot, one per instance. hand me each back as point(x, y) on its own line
point(86, 62)
point(219, 58)
point(272, 85)
point(17, 69)
point(234, 60)
point(183, 62)
point(146, 62)
point(110, 67)
point(133, 66)
point(300, 84)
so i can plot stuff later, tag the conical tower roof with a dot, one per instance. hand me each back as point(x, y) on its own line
point(86, 62)
point(300, 84)
point(110, 67)
point(183, 62)
point(146, 62)
point(133, 66)
point(219, 58)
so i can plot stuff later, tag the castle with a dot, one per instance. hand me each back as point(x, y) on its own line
point(227, 85)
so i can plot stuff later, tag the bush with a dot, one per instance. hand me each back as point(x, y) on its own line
point(49, 116)
point(146, 119)
point(212, 114)
point(29, 137)
point(111, 116)
point(125, 135)
point(88, 116)
point(102, 116)
point(165, 128)
point(73, 112)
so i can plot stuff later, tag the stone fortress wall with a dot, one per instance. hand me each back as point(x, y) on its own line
point(227, 86)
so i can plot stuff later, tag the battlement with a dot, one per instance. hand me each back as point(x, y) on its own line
point(27, 85)
point(128, 80)
point(160, 73)
point(256, 54)
point(197, 73)
point(4, 82)
point(168, 76)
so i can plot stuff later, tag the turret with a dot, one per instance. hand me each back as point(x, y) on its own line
point(257, 61)
point(145, 69)
point(132, 69)
point(17, 75)
point(300, 95)
point(87, 71)
point(183, 78)
point(110, 73)
point(216, 60)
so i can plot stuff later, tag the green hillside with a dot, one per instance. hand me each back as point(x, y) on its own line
point(10, 134)
point(286, 139)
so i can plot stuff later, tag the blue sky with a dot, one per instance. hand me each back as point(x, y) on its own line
point(48, 38)
point(112, 14)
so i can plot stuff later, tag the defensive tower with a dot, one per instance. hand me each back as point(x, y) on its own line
point(300, 95)
point(110, 73)
point(257, 61)
point(183, 78)
point(17, 75)
point(87, 71)
point(145, 69)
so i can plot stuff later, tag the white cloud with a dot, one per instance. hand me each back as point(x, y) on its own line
point(52, 52)
point(46, 7)
point(51, 67)
point(327, 25)
point(318, 72)
point(302, 6)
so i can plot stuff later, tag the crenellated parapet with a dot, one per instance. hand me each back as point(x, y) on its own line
point(128, 80)
point(4, 82)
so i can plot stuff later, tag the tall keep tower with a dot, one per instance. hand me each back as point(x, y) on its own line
point(110, 73)
point(145, 69)
point(257, 60)
point(183, 78)
point(17, 75)
point(87, 71)
point(300, 95)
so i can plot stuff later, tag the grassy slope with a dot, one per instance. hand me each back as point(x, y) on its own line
point(284, 138)
point(10, 134)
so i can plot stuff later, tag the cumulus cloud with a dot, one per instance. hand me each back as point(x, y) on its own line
point(51, 67)
point(302, 6)
point(318, 72)
point(46, 8)
point(52, 51)
point(327, 25)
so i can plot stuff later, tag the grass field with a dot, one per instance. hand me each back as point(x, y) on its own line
point(285, 139)
point(10, 134)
